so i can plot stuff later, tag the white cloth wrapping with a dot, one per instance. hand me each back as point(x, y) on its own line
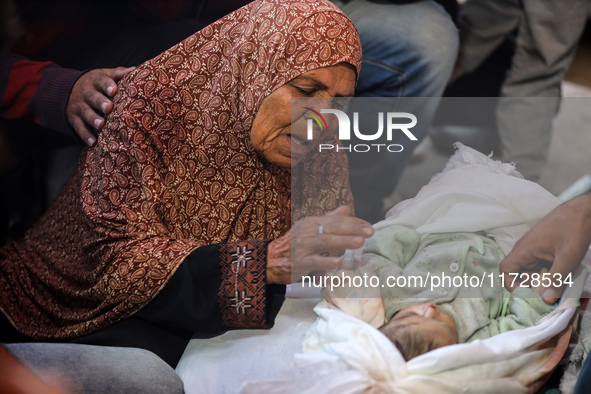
point(344, 354)
point(507, 362)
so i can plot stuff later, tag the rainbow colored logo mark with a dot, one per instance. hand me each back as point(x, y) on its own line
point(315, 115)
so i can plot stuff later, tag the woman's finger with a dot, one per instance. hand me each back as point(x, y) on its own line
point(328, 242)
point(318, 262)
point(344, 227)
point(336, 225)
point(343, 210)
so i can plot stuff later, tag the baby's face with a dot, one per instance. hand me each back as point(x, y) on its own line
point(427, 322)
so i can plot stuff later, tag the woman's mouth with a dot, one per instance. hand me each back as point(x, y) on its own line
point(297, 140)
point(298, 146)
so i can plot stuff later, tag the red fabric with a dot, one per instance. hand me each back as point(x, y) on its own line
point(174, 169)
point(22, 85)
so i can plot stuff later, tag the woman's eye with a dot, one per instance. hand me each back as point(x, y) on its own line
point(305, 92)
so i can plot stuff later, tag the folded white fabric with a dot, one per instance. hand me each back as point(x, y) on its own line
point(504, 363)
point(475, 193)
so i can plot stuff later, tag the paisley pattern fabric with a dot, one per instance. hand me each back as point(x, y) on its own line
point(174, 169)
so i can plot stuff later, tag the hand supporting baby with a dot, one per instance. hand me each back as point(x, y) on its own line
point(559, 242)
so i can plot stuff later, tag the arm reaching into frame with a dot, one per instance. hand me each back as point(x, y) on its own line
point(55, 97)
point(558, 242)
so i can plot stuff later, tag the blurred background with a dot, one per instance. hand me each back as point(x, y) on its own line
point(570, 152)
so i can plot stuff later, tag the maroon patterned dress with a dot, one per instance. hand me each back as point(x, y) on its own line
point(174, 170)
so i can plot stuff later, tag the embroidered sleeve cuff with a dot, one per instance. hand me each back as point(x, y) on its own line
point(244, 298)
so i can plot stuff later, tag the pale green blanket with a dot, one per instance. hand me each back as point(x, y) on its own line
point(480, 306)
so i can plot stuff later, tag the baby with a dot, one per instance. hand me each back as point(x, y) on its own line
point(418, 329)
point(424, 315)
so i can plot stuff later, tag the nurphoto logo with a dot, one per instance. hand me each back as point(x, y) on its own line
point(391, 119)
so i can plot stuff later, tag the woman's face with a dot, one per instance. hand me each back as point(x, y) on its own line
point(272, 135)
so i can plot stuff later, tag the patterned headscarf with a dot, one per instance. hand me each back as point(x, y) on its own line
point(174, 169)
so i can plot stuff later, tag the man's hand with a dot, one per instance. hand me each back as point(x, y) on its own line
point(559, 241)
point(90, 101)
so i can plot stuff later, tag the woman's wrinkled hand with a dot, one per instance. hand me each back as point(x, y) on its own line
point(315, 243)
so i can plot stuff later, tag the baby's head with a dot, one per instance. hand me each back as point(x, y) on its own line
point(420, 328)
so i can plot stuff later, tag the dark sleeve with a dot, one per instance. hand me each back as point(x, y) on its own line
point(37, 91)
point(219, 287)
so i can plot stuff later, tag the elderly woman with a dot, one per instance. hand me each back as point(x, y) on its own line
point(178, 220)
